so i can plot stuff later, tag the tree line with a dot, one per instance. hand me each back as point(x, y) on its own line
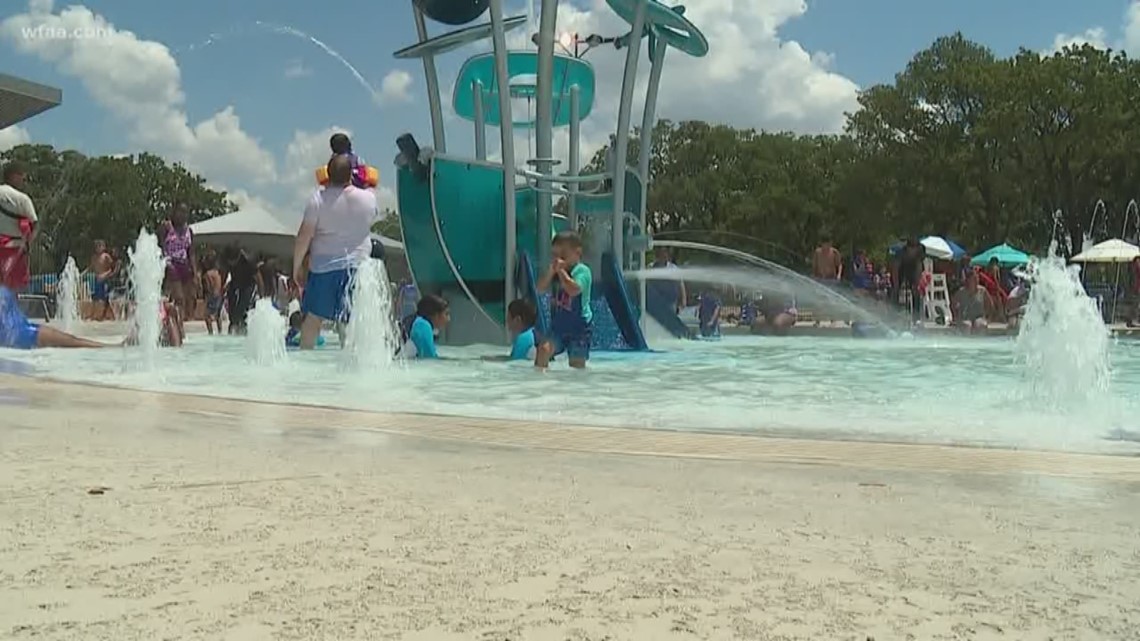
point(963, 144)
point(80, 199)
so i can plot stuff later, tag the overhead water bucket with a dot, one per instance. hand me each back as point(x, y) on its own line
point(453, 12)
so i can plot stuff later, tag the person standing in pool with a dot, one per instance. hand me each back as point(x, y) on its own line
point(571, 317)
point(17, 228)
point(103, 267)
point(910, 265)
point(336, 234)
point(240, 289)
point(177, 243)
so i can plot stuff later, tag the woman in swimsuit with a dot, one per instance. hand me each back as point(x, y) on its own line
point(181, 269)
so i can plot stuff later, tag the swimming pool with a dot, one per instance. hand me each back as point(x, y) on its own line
point(929, 389)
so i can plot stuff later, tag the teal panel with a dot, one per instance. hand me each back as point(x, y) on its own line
point(667, 23)
point(421, 245)
point(603, 204)
point(568, 72)
point(469, 203)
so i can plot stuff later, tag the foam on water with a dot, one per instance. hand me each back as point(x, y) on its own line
point(265, 336)
point(145, 273)
point(927, 389)
point(67, 296)
point(371, 336)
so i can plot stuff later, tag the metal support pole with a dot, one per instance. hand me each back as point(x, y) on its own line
point(438, 135)
point(621, 143)
point(506, 134)
point(480, 122)
point(575, 157)
point(544, 126)
point(657, 60)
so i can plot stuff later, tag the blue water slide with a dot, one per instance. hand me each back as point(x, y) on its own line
point(662, 308)
point(620, 303)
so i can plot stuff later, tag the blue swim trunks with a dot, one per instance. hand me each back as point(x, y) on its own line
point(16, 331)
point(326, 295)
point(575, 346)
point(99, 291)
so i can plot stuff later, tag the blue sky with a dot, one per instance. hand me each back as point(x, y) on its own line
point(279, 85)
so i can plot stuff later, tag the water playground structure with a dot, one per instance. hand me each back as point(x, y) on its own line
point(477, 231)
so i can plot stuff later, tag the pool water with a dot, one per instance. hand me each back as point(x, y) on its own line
point(929, 389)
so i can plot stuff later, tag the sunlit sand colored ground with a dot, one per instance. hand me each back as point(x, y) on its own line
point(233, 520)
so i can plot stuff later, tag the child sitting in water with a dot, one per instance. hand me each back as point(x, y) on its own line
point(293, 336)
point(521, 317)
point(418, 332)
point(17, 332)
point(170, 326)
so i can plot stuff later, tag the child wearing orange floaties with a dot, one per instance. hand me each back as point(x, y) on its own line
point(363, 176)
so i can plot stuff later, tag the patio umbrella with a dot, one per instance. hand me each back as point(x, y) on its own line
point(1006, 255)
point(938, 247)
point(1109, 251)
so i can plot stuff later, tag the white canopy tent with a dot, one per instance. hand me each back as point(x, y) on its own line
point(1109, 251)
point(260, 232)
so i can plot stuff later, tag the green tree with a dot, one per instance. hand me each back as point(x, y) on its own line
point(80, 199)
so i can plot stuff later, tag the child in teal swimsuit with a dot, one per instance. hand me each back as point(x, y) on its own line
point(571, 317)
point(418, 332)
point(521, 317)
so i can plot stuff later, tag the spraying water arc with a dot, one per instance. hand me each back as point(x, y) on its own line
point(798, 282)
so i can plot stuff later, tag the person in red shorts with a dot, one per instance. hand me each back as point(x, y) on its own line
point(17, 228)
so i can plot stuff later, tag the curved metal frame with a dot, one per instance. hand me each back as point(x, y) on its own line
point(447, 252)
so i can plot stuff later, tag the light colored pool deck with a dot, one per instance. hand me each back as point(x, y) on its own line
point(219, 519)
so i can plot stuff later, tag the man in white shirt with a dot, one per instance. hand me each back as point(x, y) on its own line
point(336, 233)
point(17, 228)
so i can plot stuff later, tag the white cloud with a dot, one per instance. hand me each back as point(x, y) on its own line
point(1096, 36)
point(13, 136)
point(139, 82)
point(1128, 41)
point(751, 76)
point(297, 69)
point(396, 87)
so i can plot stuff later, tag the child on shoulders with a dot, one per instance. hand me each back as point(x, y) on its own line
point(571, 316)
point(418, 332)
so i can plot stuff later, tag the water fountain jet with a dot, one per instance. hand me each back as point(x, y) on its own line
point(265, 335)
point(371, 336)
point(67, 296)
point(146, 272)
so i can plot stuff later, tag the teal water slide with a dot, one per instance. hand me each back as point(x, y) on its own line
point(473, 229)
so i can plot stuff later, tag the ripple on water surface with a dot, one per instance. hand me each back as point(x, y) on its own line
point(939, 390)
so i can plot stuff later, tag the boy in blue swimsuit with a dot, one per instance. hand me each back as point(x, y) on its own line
point(521, 317)
point(419, 331)
point(17, 332)
point(571, 317)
